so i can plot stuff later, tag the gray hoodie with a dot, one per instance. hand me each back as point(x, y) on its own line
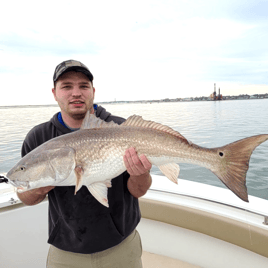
point(79, 223)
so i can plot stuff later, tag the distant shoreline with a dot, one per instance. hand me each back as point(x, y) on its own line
point(29, 106)
point(224, 98)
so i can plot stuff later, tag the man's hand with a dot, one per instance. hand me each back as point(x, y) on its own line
point(35, 196)
point(43, 190)
point(139, 170)
point(136, 165)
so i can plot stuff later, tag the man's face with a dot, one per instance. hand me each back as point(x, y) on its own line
point(74, 94)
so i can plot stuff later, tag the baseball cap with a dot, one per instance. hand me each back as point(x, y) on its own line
point(71, 65)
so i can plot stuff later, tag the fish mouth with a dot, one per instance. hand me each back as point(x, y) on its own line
point(21, 186)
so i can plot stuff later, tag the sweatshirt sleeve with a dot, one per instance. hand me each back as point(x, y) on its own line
point(29, 143)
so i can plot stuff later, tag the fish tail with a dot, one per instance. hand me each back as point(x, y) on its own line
point(234, 163)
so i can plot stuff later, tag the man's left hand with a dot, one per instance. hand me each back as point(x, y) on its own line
point(136, 165)
point(139, 170)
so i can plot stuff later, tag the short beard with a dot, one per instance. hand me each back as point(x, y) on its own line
point(78, 116)
point(82, 116)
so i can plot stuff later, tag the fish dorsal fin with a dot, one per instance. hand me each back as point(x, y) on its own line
point(138, 121)
point(91, 121)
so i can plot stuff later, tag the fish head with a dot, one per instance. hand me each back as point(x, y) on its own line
point(29, 170)
point(42, 168)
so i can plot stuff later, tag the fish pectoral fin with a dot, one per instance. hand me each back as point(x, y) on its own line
point(171, 171)
point(79, 178)
point(108, 183)
point(100, 191)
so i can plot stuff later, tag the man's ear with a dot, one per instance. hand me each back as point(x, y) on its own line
point(54, 93)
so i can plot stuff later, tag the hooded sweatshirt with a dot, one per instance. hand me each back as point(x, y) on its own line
point(79, 223)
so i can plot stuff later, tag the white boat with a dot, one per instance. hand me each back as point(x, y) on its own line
point(187, 225)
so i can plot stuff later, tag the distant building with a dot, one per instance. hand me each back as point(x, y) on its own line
point(214, 95)
point(255, 96)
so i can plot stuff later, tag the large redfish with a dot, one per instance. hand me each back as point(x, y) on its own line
point(93, 156)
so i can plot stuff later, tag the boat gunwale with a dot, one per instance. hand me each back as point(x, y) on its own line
point(244, 235)
point(215, 202)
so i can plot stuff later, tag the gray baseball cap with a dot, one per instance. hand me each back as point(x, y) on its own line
point(71, 65)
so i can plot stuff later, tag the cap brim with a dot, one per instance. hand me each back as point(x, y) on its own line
point(77, 69)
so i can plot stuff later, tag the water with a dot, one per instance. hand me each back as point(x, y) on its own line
point(208, 124)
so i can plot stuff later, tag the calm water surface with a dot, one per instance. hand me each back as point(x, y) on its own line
point(208, 124)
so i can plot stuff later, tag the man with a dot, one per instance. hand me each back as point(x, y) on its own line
point(82, 232)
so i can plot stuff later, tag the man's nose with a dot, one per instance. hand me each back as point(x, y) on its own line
point(76, 91)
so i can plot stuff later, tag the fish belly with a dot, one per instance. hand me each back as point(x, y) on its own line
point(100, 171)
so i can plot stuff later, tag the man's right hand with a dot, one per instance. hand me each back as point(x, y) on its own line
point(35, 196)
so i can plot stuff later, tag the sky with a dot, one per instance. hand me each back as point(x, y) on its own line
point(136, 50)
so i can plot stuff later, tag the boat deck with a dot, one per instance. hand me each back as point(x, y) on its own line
point(150, 260)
